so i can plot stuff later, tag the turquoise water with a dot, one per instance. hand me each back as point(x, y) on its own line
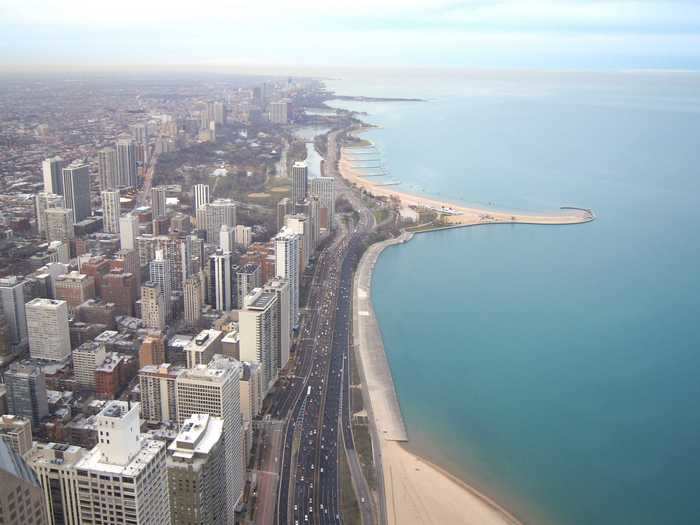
point(557, 368)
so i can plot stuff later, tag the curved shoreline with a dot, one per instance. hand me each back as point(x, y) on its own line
point(412, 490)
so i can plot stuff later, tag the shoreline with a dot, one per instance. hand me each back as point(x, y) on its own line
point(459, 215)
point(415, 490)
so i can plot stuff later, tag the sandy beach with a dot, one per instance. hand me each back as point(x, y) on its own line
point(462, 215)
point(416, 492)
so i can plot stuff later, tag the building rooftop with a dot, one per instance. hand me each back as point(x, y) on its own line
point(150, 448)
point(199, 434)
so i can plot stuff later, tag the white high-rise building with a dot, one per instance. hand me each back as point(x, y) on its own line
point(59, 224)
point(301, 225)
point(111, 211)
point(124, 478)
point(86, 359)
point(300, 181)
point(161, 274)
point(128, 231)
point(258, 327)
point(126, 162)
point(158, 393)
point(54, 464)
point(244, 235)
point(47, 326)
point(215, 390)
point(13, 309)
point(158, 202)
point(45, 201)
point(107, 169)
point(76, 190)
point(280, 354)
point(227, 238)
point(197, 471)
point(324, 189)
point(52, 170)
point(211, 217)
point(201, 195)
point(287, 266)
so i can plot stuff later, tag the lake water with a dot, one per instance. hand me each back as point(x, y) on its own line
point(557, 368)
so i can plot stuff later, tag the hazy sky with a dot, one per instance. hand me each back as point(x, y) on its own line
point(568, 34)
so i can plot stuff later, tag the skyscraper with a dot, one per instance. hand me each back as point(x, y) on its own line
point(59, 224)
point(152, 306)
point(201, 195)
point(111, 211)
point(158, 202)
point(158, 395)
point(47, 324)
point(128, 231)
point(193, 300)
point(248, 277)
point(76, 190)
point(287, 266)
point(221, 290)
point(13, 309)
point(324, 189)
point(215, 390)
point(280, 354)
point(258, 329)
point(244, 235)
point(26, 392)
point(227, 238)
point(107, 168)
point(211, 217)
point(300, 181)
point(152, 351)
point(126, 162)
point(43, 202)
point(21, 496)
point(124, 478)
point(301, 225)
point(279, 112)
point(161, 274)
point(53, 177)
point(197, 471)
point(284, 207)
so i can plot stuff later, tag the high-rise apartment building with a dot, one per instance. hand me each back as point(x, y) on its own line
point(128, 231)
point(76, 190)
point(211, 217)
point(59, 225)
point(13, 309)
point(123, 479)
point(301, 225)
point(248, 277)
point(203, 347)
point(107, 169)
point(280, 353)
point(54, 464)
point(201, 195)
point(215, 390)
point(161, 274)
point(193, 291)
point(243, 236)
point(287, 266)
point(197, 472)
point(284, 207)
point(152, 306)
point(86, 359)
point(158, 202)
point(324, 189)
point(43, 202)
point(222, 293)
point(21, 496)
point(279, 112)
point(26, 392)
point(47, 325)
point(52, 169)
point(252, 394)
point(16, 431)
point(158, 393)
point(227, 238)
point(300, 181)
point(152, 350)
point(126, 162)
point(258, 328)
point(111, 211)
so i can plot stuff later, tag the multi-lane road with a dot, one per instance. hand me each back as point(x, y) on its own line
point(312, 400)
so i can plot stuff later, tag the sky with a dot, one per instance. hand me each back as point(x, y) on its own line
point(510, 34)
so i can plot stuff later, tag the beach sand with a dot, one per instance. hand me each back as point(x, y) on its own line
point(466, 216)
